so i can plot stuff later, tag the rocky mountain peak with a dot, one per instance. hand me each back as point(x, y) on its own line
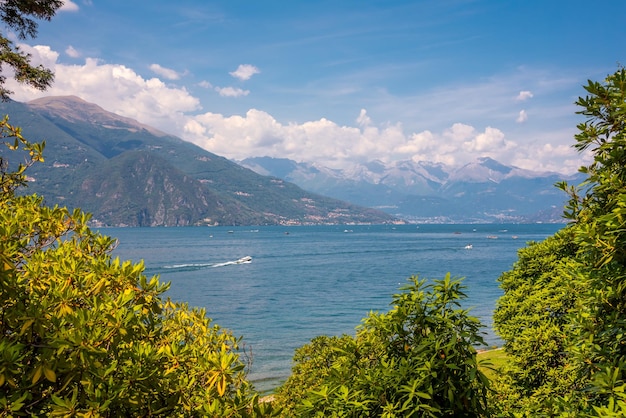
point(74, 109)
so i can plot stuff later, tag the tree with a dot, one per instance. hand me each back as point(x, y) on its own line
point(598, 211)
point(417, 360)
point(313, 365)
point(19, 16)
point(83, 334)
point(534, 318)
point(563, 315)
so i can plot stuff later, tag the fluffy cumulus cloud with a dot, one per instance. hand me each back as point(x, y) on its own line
point(115, 87)
point(363, 119)
point(522, 117)
point(167, 73)
point(323, 141)
point(69, 6)
point(173, 109)
point(561, 158)
point(245, 72)
point(524, 95)
point(231, 91)
point(72, 52)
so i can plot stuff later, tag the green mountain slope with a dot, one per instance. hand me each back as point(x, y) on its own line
point(126, 173)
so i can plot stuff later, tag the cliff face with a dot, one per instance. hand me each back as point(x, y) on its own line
point(141, 189)
point(130, 174)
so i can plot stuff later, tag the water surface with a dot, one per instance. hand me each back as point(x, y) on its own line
point(314, 280)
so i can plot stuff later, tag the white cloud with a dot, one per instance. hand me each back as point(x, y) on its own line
point(231, 91)
point(120, 89)
point(522, 117)
point(257, 133)
point(245, 72)
point(41, 55)
point(68, 6)
point(490, 141)
point(524, 95)
point(205, 84)
point(363, 119)
point(165, 72)
point(115, 87)
point(72, 52)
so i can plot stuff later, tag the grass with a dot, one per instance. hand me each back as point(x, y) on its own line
point(496, 359)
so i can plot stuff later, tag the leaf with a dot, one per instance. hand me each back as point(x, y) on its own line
point(423, 395)
point(26, 325)
point(37, 374)
point(221, 386)
point(50, 374)
point(58, 401)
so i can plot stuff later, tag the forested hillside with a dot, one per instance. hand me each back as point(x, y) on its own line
point(129, 174)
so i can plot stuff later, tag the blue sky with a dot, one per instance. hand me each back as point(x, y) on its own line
point(342, 82)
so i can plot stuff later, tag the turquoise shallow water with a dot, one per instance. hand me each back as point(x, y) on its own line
point(314, 280)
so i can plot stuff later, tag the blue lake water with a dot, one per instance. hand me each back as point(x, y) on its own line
point(313, 280)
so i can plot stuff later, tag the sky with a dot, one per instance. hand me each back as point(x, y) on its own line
point(340, 83)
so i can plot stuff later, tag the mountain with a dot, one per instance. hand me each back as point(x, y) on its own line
point(481, 191)
point(129, 174)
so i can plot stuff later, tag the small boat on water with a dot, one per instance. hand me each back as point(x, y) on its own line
point(243, 260)
point(469, 246)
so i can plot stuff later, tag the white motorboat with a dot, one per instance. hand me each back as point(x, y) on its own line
point(246, 259)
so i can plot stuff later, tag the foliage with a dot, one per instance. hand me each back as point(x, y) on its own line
point(599, 213)
point(313, 364)
point(83, 334)
point(564, 309)
point(19, 16)
point(417, 360)
point(533, 317)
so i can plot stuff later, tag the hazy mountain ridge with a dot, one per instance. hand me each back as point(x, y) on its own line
point(484, 190)
point(129, 174)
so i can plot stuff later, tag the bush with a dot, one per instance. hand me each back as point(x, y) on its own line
point(417, 360)
point(534, 318)
point(83, 334)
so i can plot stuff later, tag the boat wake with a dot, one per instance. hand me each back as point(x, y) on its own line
point(198, 266)
point(243, 260)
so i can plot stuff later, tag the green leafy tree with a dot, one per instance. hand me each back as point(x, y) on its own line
point(20, 16)
point(313, 364)
point(417, 360)
point(534, 318)
point(83, 334)
point(598, 210)
point(563, 315)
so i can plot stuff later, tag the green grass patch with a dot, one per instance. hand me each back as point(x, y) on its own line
point(494, 359)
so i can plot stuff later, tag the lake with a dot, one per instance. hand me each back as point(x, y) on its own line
point(307, 281)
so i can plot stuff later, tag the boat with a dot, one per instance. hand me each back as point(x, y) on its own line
point(242, 260)
point(469, 246)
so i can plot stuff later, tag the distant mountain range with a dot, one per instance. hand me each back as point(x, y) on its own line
point(129, 174)
point(482, 191)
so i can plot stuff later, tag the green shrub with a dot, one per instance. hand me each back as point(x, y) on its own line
point(417, 360)
point(83, 334)
point(533, 317)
